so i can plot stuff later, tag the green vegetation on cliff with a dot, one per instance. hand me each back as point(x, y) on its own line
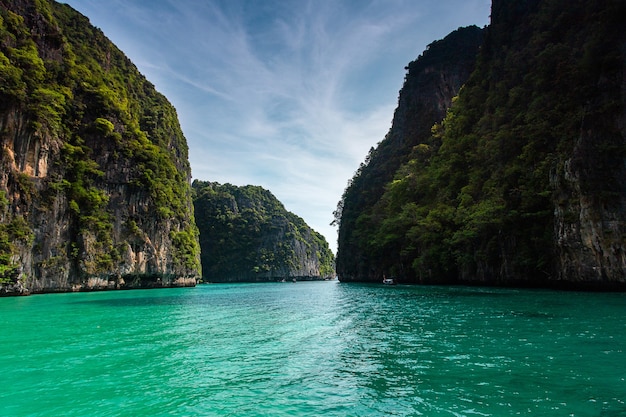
point(12, 233)
point(527, 168)
point(86, 129)
point(432, 81)
point(247, 235)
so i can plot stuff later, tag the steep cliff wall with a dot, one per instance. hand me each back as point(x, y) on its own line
point(551, 109)
point(431, 82)
point(95, 182)
point(247, 235)
point(589, 177)
point(523, 183)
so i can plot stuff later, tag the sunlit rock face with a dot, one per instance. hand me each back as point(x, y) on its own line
point(95, 179)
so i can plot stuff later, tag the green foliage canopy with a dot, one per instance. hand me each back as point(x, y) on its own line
point(75, 87)
point(475, 201)
point(246, 234)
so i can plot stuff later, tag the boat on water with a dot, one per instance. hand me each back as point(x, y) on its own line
point(389, 281)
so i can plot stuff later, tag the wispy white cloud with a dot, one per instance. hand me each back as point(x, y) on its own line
point(286, 94)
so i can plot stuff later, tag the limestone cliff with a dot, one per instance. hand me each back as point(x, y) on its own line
point(95, 181)
point(247, 235)
point(431, 83)
point(524, 181)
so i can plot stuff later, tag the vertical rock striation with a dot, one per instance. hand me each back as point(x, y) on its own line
point(95, 182)
point(568, 62)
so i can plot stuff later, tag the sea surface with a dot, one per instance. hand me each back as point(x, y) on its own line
point(314, 349)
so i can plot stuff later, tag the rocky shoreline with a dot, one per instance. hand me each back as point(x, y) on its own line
point(137, 282)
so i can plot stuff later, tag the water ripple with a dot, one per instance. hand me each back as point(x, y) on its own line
point(310, 349)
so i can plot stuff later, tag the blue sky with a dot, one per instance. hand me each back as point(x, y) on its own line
point(286, 94)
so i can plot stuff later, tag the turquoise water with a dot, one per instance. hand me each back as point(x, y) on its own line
point(314, 349)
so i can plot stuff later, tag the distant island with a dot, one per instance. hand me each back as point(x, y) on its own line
point(247, 235)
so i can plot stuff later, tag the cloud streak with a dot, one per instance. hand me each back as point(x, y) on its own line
point(286, 94)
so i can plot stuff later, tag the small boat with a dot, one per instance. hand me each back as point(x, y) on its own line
point(389, 281)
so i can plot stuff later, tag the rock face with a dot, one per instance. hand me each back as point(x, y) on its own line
point(95, 182)
point(247, 235)
point(431, 83)
point(524, 181)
